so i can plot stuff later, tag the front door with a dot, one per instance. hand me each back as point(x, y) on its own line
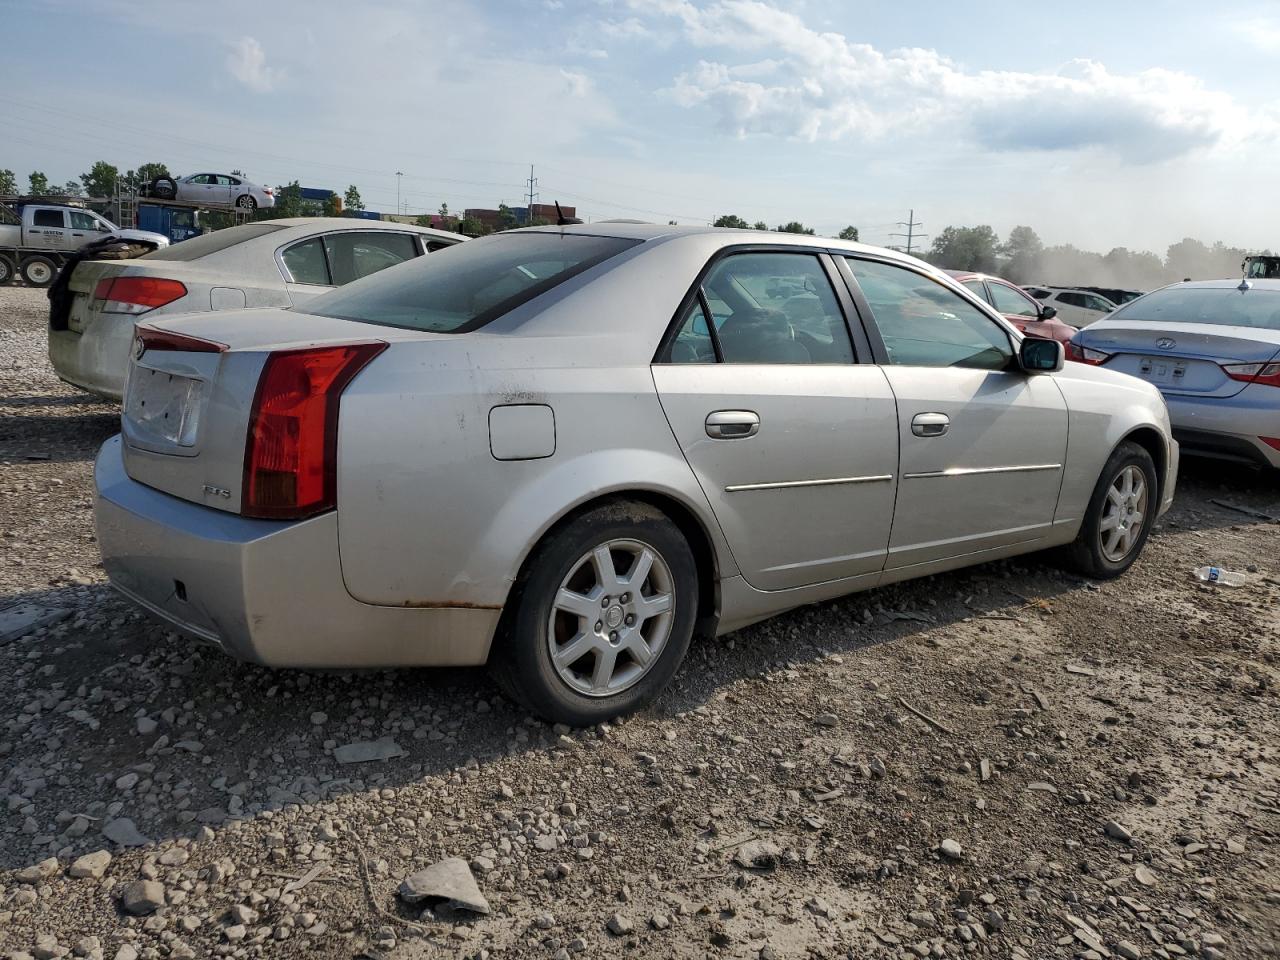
point(49, 228)
point(793, 441)
point(982, 443)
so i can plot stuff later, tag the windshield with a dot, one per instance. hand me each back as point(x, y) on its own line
point(467, 285)
point(198, 247)
point(1219, 306)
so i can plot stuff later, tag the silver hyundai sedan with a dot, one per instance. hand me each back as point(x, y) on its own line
point(563, 451)
point(1212, 347)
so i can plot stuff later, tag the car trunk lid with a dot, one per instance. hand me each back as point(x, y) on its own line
point(1182, 359)
point(190, 394)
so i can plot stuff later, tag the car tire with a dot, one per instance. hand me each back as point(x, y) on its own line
point(165, 188)
point(629, 647)
point(1110, 539)
point(7, 270)
point(39, 271)
point(246, 202)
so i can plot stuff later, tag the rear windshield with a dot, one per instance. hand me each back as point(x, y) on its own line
point(1220, 306)
point(464, 287)
point(208, 243)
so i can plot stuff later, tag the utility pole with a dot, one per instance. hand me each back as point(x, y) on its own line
point(398, 176)
point(533, 182)
point(911, 235)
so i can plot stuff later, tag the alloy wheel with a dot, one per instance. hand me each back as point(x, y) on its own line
point(1123, 513)
point(611, 617)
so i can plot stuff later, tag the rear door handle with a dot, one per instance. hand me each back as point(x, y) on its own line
point(930, 424)
point(732, 424)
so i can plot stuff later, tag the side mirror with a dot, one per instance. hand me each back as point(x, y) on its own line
point(1037, 355)
point(1047, 312)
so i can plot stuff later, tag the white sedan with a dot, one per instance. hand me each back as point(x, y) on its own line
point(215, 189)
point(276, 263)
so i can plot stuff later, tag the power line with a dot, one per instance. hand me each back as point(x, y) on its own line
point(910, 223)
point(533, 182)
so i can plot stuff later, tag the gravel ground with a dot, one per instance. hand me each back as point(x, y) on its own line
point(1006, 761)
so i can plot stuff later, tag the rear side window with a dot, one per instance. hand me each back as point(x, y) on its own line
point(978, 288)
point(764, 308)
point(465, 287)
point(49, 218)
point(305, 262)
point(360, 254)
point(215, 242)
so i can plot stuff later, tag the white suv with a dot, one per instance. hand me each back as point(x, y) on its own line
point(1076, 307)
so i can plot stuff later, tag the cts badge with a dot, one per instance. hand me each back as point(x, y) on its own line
point(211, 491)
point(1166, 343)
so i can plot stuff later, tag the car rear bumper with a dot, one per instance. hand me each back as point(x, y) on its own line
point(96, 360)
point(265, 591)
point(1227, 428)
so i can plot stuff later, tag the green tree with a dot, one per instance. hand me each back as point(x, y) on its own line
point(444, 210)
point(1022, 252)
point(423, 221)
point(37, 184)
point(506, 218)
point(966, 248)
point(351, 199)
point(795, 226)
point(332, 206)
point(288, 204)
point(101, 179)
point(149, 171)
point(8, 183)
point(848, 233)
point(71, 189)
point(731, 220)
point(237, 172)
point(759, 225)
point(472, 227)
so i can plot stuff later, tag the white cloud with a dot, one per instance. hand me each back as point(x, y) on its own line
point(247, 62)
point(822, 86)
point(1259, 32)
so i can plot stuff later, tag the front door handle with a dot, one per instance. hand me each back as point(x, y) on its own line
point(732, 424)
point(930, 424)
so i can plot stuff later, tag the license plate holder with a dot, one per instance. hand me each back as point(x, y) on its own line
point(164, 407)
point(1163, 371)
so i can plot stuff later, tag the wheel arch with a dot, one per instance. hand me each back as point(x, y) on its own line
point(691, 526)
point(1151, 440)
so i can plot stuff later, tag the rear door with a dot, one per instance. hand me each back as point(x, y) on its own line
point(791, 438)
point(981, 443)
point(306, 269)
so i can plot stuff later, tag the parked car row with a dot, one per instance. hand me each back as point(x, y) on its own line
point(562, 450)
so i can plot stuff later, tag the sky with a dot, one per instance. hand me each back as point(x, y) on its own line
point(1099, 124)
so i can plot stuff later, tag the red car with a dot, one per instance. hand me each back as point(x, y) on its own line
point(1030, 316)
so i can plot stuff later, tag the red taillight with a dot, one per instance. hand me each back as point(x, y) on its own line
point(290, 462)
point(1081, 354)
point(1264, 373)
point(137, 294)
point(149, 338)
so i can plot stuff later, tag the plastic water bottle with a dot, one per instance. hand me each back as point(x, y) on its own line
point(1226, 578)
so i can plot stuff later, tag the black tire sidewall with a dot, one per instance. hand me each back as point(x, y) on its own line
point(165, 188)
point(7, 270)
point(1127, 454)
point(530, 670)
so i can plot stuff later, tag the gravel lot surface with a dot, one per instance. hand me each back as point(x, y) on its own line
point(1006, 761)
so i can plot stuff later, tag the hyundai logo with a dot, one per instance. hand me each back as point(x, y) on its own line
point(1166, 343)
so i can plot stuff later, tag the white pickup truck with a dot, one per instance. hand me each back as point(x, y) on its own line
point(36, 239)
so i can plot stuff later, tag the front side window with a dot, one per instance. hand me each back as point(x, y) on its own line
point(49, 218)
point(923, 324)
point(83, 221)
point(359, 254)
point(1072, 299)
point(202, 178)
point(473, 284)
point(1012, 302)
point(764, 308)
point(1099, 303)
point(305, 262)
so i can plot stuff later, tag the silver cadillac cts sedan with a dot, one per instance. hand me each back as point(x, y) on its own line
point(564, 451)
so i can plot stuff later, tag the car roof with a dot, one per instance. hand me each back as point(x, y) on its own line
point(1254, 283)
point(729, 236)
point(326, 224)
